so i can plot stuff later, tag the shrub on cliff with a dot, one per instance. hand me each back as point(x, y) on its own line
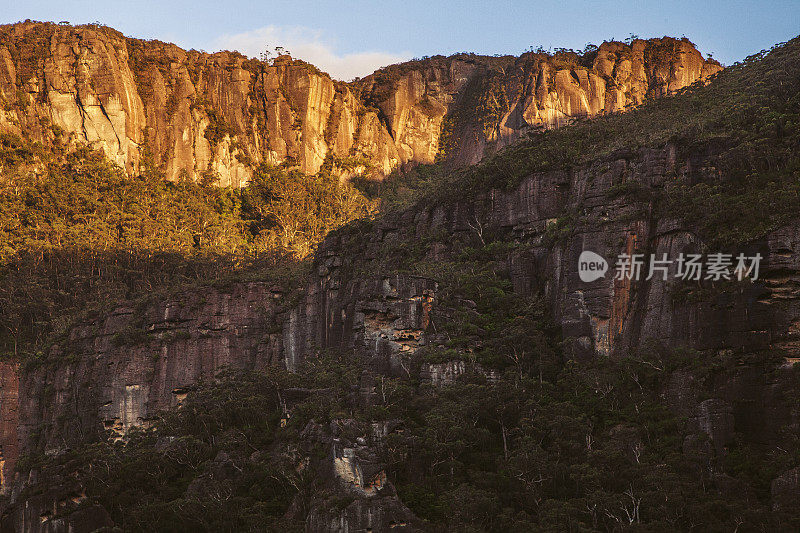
point(294, 211)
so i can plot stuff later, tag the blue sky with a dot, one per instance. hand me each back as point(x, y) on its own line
point(353, 38)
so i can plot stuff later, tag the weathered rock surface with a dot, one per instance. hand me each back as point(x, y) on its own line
point(606, 317)
point(152, 104)
point(121, 369)
point(355, 470)
point(102, 384)
point(132, 363)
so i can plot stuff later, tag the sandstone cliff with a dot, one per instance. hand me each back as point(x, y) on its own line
point(127, 366)
point(116, 371)
point(151, 104)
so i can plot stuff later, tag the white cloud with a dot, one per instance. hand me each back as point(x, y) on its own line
point(309, 45)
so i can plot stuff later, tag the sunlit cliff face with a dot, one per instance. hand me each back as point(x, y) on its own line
point(193, 114)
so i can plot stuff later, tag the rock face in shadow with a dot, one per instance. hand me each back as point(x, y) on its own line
point(115, 371)
point(149, 104)
point(120, 369)
point(354, 470)
point(604, 318)
point(608, 317)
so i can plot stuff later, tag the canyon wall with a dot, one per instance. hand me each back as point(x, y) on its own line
point(121, 369)
point(152, 105)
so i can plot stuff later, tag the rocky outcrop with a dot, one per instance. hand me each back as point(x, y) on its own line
point(464, 107)
point(9, 424)
point(152, 105)
point(356, 471)
point(378, 317)
point(120, 370)
point(605, 317)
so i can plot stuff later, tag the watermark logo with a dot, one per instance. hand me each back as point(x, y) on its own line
point(695, 267)
point(591, 266)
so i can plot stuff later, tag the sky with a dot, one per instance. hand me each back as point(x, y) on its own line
point(353, 38)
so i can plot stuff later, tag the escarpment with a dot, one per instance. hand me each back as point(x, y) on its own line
point(150, 104)
point(125, 368)
point(387, 292)
point(465, 107)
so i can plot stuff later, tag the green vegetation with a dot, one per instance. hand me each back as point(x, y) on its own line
point(299, 210)
point(580, 447)
point(206, 467)
point(217, 129)
point(401, 190)
point(480, 318)
point(78, 235)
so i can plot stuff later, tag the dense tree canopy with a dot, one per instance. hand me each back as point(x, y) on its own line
point(75, 228)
